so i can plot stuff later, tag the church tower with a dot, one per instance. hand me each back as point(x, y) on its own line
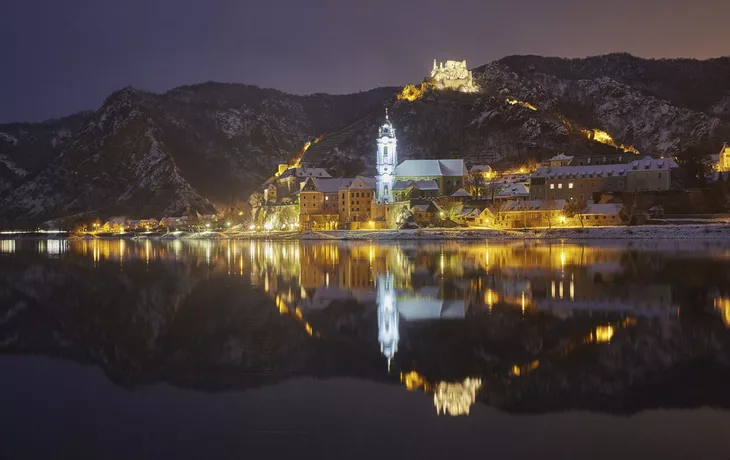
point(388, 316)
point(386, 162)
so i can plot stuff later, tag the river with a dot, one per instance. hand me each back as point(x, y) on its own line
point(233, 349)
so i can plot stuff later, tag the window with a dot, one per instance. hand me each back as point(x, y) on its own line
point(660, 175)
point(552, 186)
point(560, 185)
point(570, 185)
point(326, 198)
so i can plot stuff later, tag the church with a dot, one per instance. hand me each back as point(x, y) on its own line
point(438, 177)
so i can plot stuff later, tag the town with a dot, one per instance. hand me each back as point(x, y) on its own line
point(625, 188)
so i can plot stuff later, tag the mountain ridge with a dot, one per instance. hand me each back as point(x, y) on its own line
point(194, 146)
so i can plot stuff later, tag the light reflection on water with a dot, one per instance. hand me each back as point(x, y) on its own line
point(612, 284)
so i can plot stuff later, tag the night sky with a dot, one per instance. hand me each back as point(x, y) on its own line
point(62, 56)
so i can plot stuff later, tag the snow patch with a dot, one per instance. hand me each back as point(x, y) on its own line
point(8, 138)
point(17, 170)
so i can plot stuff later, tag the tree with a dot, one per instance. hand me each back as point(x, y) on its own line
point(550, 208)
point(256, 199)
point(492, 186)
point(576, 208)
point(628, 209)
point(695, 163)
point(476, 183)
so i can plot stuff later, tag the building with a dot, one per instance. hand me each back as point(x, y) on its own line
point(318, 205)
point(601, 214)
point(290, 181)
point(452, 75)
point(460, 195)
point(270, 194)
point(450, 175)
point(327, 204)
point(521, 214)
point(387, 159)
point(582, 181)
point(354, 200)
point(405, 190)
point(615, 159)
point(485, 171)
point(427, 213)
point(560, 160)
point(513, 192)
point(722, 160)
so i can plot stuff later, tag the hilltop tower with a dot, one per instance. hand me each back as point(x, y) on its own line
point(386, 162)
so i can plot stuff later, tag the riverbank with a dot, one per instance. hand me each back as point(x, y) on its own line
point(646, 232)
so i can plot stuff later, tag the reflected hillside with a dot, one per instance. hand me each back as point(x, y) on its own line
point(521, 326)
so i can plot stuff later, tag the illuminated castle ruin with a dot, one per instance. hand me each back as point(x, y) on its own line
point(452, 75)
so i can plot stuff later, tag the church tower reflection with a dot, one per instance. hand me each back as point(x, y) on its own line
point(388, 335)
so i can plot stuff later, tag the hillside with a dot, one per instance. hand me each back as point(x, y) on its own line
point(158, 154)
point(209, 145)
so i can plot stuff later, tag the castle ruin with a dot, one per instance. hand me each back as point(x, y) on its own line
point(452, 75)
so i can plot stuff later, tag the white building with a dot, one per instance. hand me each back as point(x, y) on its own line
point(386, 162)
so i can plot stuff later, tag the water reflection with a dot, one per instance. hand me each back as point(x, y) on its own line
point(517, 325)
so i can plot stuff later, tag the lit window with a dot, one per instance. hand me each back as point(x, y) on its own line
point(570, 185)
point(327, 198)
point(552, 186)
point(560, 185)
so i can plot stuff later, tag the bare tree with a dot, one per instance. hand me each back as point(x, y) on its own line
point(476, 183)
point(576, 208)
point(550, 207)
point(628, 209)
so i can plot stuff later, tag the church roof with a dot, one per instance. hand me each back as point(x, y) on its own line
point(326, 185)
point(431, 168)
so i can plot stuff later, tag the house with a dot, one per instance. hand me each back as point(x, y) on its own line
point(450, 175)
point(173, 222)
point(148, 223)
point(355, 200)
point(460, 195)
point(116, 224)
point(722, 160)
point(270, 194)
point(614, 159)
point(559, 161)
point(600, 214)
point(485, 171)
point(328, 203)
point(291, 180)
point(513, 192)
point(406, 189)
point(468, 216)
point(427, 213)
point(521, 214)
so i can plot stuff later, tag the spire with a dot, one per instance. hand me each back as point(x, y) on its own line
point(434, 64)
point(386, 114)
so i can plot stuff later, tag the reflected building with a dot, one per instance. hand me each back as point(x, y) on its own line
point(388, 318)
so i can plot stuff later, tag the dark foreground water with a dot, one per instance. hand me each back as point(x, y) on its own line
point(125, 349)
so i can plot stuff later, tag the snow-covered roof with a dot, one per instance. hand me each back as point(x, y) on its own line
point(481, 169)
point(430, 168)
point(420, 207)
point(603, 208)
point(362, 183)
point(561, 156)
point(582, 171)
point(305, 172)
point(461, 193)
point(652, 164)
point(511, 189)
point(534, 205)
point(423, 185)
point(328, 185)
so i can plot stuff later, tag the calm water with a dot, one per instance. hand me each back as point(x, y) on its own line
point(127, 349)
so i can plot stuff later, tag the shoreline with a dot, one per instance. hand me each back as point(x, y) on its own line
point(645, 232)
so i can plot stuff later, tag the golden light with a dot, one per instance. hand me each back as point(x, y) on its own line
point(372, 224)
point(456, 398)
point(414, 381)
point(562, 219)
point(603, 334)
point(722, 304)
point(604, 138)
point(240, 213)
point(252, 227)
point(526, 105)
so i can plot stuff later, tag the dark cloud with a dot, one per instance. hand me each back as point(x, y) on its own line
point(63, 56)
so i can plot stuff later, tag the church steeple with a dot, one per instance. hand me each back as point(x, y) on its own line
point(386, 161)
